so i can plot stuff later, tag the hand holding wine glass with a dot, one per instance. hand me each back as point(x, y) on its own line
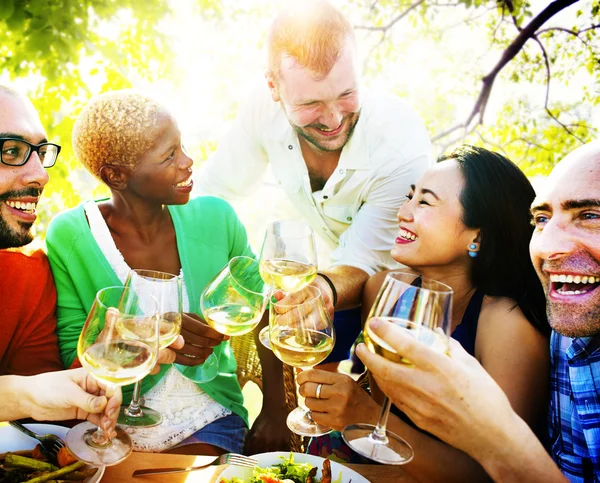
point(118, 346)
point(423, 309)
point(302, 335)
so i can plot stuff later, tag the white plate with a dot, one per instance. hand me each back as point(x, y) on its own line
point(271, 459)
point(13, 440)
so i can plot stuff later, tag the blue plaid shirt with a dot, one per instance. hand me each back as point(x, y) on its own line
point(574, 417)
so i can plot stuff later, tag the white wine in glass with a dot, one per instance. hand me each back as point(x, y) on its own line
point(115, 359)
point(287, 275)
point(166, 289)
point(301, 348)
point(429, 337)
point(288, 260)
point(423, 308)
point(235, 300)
point(302, 335)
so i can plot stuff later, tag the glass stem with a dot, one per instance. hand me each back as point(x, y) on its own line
point(99, 439)
point(378, 434)
point(134, 409)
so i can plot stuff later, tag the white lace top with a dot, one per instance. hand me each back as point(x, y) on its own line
point(185, 407)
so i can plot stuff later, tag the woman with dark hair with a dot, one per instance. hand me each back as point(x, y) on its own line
point(466, 223)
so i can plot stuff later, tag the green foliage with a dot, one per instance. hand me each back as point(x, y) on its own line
point(68, 50)
point(533, 127)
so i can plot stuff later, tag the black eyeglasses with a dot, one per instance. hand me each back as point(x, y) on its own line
point(16, 152)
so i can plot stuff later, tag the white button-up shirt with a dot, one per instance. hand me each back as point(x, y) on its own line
point(356, 210)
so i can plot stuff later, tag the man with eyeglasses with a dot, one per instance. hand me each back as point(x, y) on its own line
point(28, 345)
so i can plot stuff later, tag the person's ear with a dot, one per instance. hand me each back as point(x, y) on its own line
point(273, 84)
point(115, 176)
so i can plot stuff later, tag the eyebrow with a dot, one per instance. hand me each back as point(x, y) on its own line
point(310, 101)
point(425, 191)
point(19, 136)
point(569, 205)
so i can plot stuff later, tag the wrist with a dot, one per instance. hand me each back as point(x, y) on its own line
point(20, 398)
point(334, 294)
point(505, 448)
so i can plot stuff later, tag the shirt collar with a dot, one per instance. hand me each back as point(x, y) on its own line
point(583, 347)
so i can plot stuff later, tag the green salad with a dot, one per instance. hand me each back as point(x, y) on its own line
point(285, 472)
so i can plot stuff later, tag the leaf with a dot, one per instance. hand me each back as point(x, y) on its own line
point(7, 8)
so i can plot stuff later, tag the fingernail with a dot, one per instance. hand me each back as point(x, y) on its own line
point(111, 413)
point(97, 404)
point(374, 323)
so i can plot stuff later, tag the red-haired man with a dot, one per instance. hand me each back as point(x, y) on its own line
point(344, 156)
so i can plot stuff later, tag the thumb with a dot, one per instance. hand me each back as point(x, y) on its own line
point(87, 402)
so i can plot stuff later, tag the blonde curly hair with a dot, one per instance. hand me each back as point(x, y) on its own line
point(116, 128)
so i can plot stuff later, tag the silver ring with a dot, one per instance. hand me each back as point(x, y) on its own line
point(319, 387)
point(191, 356)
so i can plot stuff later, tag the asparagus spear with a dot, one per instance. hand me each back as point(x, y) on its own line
point(54, 474)
point(18, 461)
point(22, 452)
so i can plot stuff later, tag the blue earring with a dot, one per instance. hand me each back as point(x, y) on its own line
point(472, 252)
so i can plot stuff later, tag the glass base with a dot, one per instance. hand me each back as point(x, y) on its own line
point(203, 373)
point(300, 422)
point(264, 338)
point(394, 451)
point(147, 417)
point(80, 444)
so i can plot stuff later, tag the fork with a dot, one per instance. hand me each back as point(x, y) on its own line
point(225, 459)
point(51, 444)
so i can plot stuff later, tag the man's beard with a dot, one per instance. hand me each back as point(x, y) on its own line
point(317, 143)
point(9, 236)
point(580, 319)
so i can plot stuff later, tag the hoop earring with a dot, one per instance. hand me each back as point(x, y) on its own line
point(472, 252)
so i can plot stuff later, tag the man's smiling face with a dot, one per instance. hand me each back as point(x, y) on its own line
point(565, 246)
point(323, 111)
point(20, 186)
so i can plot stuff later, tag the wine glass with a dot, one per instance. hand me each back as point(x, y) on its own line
point(302, 335)
point(422, 308)
point(166, 288)
point(235, 300)
point(288, 259)
point(118, 346)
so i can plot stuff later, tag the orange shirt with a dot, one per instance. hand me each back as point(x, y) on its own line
point(28, 343)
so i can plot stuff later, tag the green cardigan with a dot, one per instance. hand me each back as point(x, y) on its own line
point(208, 234)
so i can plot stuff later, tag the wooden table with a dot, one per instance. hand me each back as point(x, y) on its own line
point(122, 472)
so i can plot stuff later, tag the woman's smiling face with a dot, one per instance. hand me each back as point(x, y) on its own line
point(432, 232)
point(164, 171)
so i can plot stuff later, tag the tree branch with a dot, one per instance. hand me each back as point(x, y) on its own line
point(385, 28)
point(546, 100)
point(509, 54)
point(571, 32)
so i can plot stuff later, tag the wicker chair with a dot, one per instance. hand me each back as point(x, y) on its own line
point(249, 369)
